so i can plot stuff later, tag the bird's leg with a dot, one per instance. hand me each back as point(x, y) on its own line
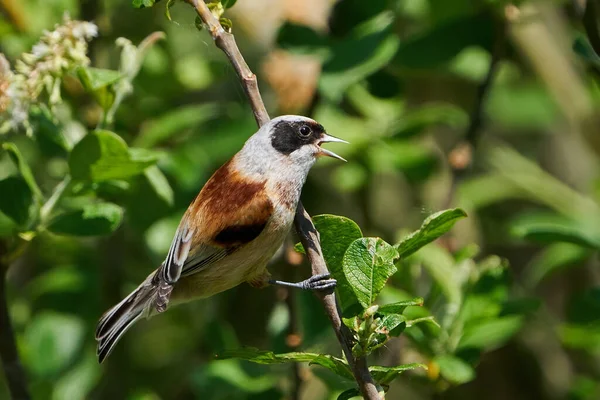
point(315, 282)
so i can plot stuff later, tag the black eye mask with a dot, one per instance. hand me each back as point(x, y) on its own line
point(286, 137)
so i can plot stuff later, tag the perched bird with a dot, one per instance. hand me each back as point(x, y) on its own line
point(233, 227)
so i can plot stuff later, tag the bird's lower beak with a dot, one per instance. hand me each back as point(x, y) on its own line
point(328, 139)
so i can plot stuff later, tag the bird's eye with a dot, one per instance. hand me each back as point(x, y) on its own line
point(305, 130)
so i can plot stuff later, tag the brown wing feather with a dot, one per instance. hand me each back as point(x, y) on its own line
point(231, 210)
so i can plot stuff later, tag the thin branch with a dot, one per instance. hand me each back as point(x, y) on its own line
point(306, 229)
point(13, 369)
point(226, 42)
point(309, 236)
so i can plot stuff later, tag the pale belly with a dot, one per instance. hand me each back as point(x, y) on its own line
point(245, 264)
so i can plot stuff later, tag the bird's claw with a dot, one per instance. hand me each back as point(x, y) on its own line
point(319, 282)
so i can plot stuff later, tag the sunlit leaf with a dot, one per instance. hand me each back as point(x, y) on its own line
point(490, 334)
point(432, 228)
point(79, 381)
point(98, 82)
point(400, 306)
point(385, 375)
point(552, 258)
point(334, 364)
point(103, 155)
point(23, 168)
point(454, 370)
point(174, 122)
point(548, 228)
point(143, 3)
point(51, 342)
point(367, 265)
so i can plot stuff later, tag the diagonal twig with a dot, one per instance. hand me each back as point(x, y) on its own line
point(303, 223)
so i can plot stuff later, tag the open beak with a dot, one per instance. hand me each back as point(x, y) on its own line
point(328, 139)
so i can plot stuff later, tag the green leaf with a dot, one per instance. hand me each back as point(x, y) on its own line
point(158, 181)
point(454, 370)
point(584, 49)
point(348, 394)
point(548, 228)
point(143, 3)
point(334, 364)
point(301, 39)
point(104, 155)
point(385, 375)
point(370, 47)
point(174, 122)
point(367, 264)
point(490, 334)
point(390, 325)
point(16, 199)
point(51, 342)
point(23, 168)
point(552, 258)
point(98, 82)
point(429, 115)
point(90, 220)
point(440, 265)
point(336, 234)
point(79, 381)
point(235, 375)
point(432, 228)
point(170, 3)
point(228, 3)
point(444, 41)
point(400, 306)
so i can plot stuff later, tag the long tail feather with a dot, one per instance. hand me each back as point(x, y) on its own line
point(116, 321)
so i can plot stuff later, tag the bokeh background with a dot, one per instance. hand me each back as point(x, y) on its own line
point(487, 105)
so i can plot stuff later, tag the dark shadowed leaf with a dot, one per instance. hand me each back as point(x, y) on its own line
point(454, 370)
point(348, 394)
point(584, 49)
point(370, 47)
point(444, 41)
point(385, 375)
point(90, 220)
point(16, 199)
point(334, 364)
point(228, 3)
point(300, 39)
point(24, 170)
point(367, 264)
point(432, 228)
point(104, 155)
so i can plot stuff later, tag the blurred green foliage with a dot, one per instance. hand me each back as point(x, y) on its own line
point(505, 305)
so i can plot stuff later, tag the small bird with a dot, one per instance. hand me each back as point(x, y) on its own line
point(231, 230)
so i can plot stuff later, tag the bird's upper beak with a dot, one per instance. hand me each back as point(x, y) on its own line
point(325, 138)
